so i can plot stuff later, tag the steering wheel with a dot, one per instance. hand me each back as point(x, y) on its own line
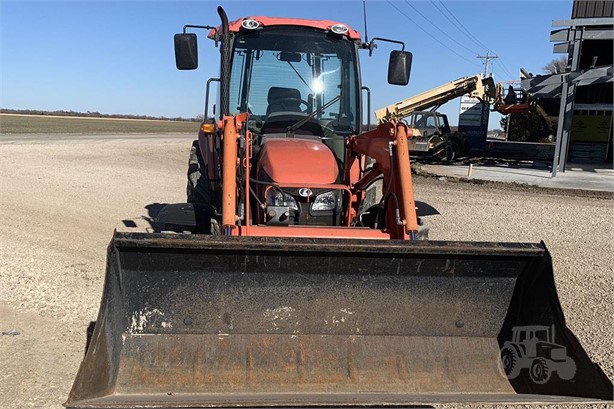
point(282, 101)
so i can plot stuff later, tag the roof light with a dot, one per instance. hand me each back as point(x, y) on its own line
point(339, 29)
point(250, 24)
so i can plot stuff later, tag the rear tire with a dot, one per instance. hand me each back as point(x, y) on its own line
point(198, 189)
point(510, 362)
point(444, 153)
point(459, 145)
point(456, 149)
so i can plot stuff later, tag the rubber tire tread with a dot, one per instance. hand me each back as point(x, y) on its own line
point(198, 189)
point(515, 366)
point(545, 374)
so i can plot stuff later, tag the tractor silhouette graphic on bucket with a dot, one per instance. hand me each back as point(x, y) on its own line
point(532, 347)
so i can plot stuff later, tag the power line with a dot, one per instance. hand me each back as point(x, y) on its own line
point(440, 30)
point(472, 37)
point(445, 11)
point(505, 69)
point(454, 23)
point(430, 35)
point(501, 67)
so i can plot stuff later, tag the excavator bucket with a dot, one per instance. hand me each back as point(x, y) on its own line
point(217, 321)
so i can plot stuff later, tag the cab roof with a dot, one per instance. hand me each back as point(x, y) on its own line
point(235, 26)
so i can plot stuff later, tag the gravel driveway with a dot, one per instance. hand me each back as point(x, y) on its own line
point(60, 201)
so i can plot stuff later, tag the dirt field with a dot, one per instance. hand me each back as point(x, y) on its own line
point(60, 201)
point(44, 124)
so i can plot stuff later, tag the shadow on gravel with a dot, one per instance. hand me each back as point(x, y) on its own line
point(492, 162)
point(129, 223)
point(153, 209)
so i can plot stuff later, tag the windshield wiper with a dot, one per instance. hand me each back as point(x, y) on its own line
point(290, 130)
point(299, 75)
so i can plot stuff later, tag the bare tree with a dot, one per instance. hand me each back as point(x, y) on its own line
point(555, 66)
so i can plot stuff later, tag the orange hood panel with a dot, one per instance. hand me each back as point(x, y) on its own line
point(299, 161)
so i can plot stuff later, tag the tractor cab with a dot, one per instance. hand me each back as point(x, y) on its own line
point(297, 84)
point(283, 75)
point(532, 333)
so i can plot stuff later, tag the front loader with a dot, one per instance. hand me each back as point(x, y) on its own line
point(289, 284)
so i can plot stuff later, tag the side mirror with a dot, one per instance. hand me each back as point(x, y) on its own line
point(399, 67)
point(186, 51)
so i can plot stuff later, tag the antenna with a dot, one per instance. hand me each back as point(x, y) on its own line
point(364, 14)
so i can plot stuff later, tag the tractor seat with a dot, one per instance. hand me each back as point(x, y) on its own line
point(283, 100)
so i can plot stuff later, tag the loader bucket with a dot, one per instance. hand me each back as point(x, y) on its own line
point(216, 321)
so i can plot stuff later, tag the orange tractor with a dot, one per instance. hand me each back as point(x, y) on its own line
point(296, 285)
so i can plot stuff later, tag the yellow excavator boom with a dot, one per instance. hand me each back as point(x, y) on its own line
point(475, 86)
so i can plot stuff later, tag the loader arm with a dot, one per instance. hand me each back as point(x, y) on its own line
point(231, 126)
point(387, 144)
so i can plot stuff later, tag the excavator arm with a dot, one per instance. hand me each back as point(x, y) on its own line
point(475, 86)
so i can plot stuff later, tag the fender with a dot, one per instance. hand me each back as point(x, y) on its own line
point(516, 347)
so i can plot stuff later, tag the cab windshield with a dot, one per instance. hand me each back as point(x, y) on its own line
point(288, 74)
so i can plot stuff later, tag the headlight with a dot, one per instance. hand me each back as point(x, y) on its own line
point(327, 201)
point(275, 197)
point(250, 24)
point(339, 29)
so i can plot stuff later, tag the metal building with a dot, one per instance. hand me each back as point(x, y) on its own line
point(585, 89)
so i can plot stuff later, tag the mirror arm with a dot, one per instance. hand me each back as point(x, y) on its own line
point(371, 45)
point(216, 38)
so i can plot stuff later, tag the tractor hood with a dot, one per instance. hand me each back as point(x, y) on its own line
point(298, 161)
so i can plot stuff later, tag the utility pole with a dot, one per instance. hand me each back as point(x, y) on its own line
point(486, 58)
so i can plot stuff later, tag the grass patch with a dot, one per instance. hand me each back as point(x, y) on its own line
point(42, 124)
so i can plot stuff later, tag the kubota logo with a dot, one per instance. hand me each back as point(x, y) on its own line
point(533, 348)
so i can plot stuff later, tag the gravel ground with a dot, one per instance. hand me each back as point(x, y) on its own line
point(61, 200)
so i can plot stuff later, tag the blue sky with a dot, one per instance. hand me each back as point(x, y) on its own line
point(117, 57)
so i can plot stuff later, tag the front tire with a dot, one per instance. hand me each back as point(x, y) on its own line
point(200, 194)
point(198, 189)
point(540, 372)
